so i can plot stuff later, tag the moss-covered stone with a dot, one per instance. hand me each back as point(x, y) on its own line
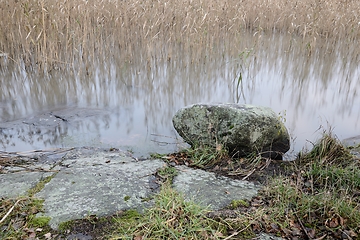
point(242, 129)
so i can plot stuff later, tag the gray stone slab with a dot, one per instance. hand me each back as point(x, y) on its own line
point(353, 141)
point(99, 185)
point(354, 144)
point(212, 191)
point(18, 183)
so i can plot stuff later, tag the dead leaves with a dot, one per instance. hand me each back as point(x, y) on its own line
point(290, 224)
point(35, 233)
point(335, 222)
point(180, 158)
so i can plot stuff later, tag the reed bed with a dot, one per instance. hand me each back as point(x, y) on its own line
point(45, 34)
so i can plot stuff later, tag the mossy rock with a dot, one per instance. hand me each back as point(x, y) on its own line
point(242, 129)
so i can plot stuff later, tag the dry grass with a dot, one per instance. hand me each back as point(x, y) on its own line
point(45, 34)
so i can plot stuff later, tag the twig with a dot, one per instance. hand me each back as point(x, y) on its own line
point(159, 135)
point(60, 150)
point(161, 142)
point(45, 151)
point(236, 233)
point(10, 210)
point(252, 171)
point(232, 235)
point(322, 237)
point(267, 163)
point(28, 169)
point(302, 225)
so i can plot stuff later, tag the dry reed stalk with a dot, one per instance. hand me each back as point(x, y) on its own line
point(46, 34)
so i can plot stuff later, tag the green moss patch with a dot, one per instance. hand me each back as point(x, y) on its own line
point(39, 222)
point(239, 203)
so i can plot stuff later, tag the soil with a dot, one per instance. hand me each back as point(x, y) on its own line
point(92, 227)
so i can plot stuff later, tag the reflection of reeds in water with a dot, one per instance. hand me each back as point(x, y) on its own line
point(46, 34)
point(157, 56)
point(119, 53)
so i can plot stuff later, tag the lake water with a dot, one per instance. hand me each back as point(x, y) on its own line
point(128, 100)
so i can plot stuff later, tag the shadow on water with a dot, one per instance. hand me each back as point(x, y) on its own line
point(128, 100)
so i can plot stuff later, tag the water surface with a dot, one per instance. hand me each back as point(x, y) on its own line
point(128, 100)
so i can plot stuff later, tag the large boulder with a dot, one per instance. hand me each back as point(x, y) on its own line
point(242, 129)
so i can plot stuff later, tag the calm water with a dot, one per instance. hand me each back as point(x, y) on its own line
point(129, 100)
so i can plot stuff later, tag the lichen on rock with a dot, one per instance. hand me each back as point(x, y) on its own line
point(242, 129)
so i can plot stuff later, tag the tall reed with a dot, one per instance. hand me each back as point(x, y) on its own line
point(43, 35)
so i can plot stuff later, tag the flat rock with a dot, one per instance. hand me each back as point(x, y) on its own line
point(102, 185)
point(210, 190)
point(18, 183)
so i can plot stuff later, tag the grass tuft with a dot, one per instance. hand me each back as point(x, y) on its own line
point(319, 198)
point(172, 217)
point(328, 150)
point(206, 157)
